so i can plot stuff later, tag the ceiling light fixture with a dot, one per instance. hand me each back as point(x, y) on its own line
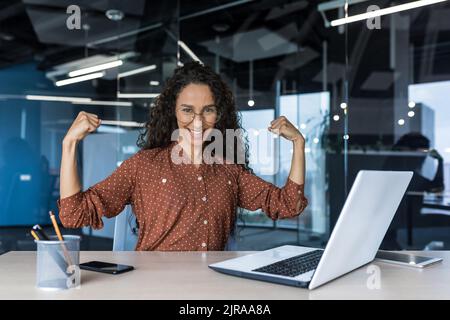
point(250, 102)
point(384, 11)
point(136, 71)
point(114, 14)
point(79, 79)
point(105, 103)
point(122, 123)
point(103, 66)
point(189, 51)
point(57, 98)
point(137, 95)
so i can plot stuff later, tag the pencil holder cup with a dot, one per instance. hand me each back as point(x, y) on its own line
point(58, 263)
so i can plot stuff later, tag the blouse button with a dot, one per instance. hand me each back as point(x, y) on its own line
point(205, 221)
point(199, 178)
point(204, 199)
point(299, 191)
point(229, 182)
point(164, 180)
point(203, 244)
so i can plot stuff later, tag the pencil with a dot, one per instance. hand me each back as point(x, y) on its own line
point(38, 229)
point(55, 225)
point(60, 237)
point(35, 236)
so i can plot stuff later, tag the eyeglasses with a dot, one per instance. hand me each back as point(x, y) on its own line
point(210, 114)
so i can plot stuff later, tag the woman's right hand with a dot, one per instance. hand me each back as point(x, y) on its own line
point(84, 124)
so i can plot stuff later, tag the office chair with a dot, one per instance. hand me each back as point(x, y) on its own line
point(125, 231)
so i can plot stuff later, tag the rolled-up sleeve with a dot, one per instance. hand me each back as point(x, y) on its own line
point(107, 198)
point(278, 203)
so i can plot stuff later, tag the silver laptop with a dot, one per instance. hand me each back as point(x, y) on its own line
point(362, 224)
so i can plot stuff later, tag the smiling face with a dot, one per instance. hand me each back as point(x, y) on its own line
point(195, 110)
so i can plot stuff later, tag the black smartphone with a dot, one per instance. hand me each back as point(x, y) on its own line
point(105, 267)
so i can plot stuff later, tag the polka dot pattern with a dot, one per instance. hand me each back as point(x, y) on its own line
point(179, 207)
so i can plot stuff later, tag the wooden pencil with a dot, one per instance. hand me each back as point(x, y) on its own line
point(60, 238)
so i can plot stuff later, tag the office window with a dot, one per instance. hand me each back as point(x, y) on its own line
point(262, 158)
point(310, 113)
point(433, 97)
point(396, 81)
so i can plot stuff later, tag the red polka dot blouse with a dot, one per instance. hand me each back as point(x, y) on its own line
point(179, 207)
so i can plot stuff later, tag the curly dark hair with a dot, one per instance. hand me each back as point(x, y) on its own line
point(162, 121)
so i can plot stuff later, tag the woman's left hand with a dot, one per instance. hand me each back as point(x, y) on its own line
point(284, 128)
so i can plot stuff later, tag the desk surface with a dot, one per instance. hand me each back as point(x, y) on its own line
point(433, 203)
point(185, 275)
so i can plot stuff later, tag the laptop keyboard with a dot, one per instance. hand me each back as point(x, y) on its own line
point(294, 266)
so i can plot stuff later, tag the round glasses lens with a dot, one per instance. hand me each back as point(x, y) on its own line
point(211, 115)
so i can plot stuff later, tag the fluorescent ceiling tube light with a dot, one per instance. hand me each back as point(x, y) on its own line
point(105, 103)
point(79, 79)
point(96, 68)
point(122, 123)
point(137, 95)
point(108, 129)
point(136, 71)
point(384, 11)
point(56, 98)
point(188, 51)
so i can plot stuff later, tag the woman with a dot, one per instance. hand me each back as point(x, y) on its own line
point(188, 204)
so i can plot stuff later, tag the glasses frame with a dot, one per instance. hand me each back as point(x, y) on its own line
point(218, 115)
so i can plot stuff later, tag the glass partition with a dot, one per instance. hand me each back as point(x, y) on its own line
point(398, 120)
point(97, 57)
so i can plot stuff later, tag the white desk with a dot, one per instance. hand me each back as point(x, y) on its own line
point(185, 275)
